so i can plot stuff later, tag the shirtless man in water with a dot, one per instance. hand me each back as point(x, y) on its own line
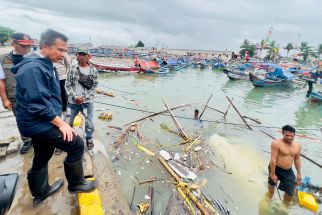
point(285, 152)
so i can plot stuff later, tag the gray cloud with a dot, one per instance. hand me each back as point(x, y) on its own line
point(206, 24)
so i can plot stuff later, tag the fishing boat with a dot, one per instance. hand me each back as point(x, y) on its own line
point(316, 96)
point(273, 76)
point(163, 70)
point(175, 64)
point(116, 68)
point(238, 72)
point(182, 63)
point(149, 66)
point(200, 63)
point(217, 64)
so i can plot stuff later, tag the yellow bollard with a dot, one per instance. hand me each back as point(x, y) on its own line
point(90, 203)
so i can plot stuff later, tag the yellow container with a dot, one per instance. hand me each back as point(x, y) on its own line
point(90, 203)
point(307, 201)
point(77, 121)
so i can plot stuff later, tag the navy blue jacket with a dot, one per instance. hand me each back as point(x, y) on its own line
point(38, 95)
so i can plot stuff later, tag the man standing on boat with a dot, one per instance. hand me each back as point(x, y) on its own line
point(284, 152)
point(21, 44)
point(81, 84)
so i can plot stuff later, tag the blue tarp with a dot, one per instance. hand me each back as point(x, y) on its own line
point(280, 73)
point(245, 66)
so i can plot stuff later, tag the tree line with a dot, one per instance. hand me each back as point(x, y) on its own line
point(273, 49)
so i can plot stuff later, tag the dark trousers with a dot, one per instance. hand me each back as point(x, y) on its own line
point(23, 138)
point(63, 94)
point(45, 143)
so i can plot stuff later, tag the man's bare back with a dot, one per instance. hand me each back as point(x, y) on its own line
point(286, 153)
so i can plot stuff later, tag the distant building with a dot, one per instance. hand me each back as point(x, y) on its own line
point(73, 47)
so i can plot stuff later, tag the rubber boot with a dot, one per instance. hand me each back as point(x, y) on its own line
point(75, 176)
point(39, 187)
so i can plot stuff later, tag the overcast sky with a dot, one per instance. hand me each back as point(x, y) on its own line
point(199, 24)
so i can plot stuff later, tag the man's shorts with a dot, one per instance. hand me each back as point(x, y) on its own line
point(286, 177)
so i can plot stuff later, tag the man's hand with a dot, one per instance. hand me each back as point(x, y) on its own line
point(7, 104)
point(68, 132)
point(299, 179)
point(79, 99)
point(274, 177)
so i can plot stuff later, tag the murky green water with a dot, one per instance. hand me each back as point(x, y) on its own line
point(241, 151)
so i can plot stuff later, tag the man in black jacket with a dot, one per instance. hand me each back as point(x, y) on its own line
point(38, 109)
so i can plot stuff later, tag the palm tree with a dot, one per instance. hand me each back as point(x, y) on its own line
point(263, 44)
point(319, 49)
point(273, 51)
point(289, 47)
point(247, 46)
point(306, 50)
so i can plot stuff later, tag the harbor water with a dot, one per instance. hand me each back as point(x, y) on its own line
point(240, 156)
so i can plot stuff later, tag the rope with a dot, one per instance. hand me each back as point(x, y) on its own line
point(204, 120)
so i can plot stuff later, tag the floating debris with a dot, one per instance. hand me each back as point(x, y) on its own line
point(166, 156)
point(105, 116)
point(198, 148)
point(142, 148)
point(182, 171)
point(104, 93)
point(143, 206)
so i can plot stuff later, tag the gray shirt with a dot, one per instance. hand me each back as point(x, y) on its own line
point(80, 90)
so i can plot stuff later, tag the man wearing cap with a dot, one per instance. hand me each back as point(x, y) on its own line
point(21, 44)
point(81, 84)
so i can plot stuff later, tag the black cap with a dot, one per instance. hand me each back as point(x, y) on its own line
point(22, 39)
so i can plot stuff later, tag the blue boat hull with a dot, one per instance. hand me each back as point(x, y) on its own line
point(316, 96)
point(266, 82)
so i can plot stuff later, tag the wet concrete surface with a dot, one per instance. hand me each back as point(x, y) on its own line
point(62, 202)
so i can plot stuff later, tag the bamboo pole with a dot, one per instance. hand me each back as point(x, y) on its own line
point(254, 120)
point(177, 178)
point(247, 117)
point(238, 113)
point(205, 107)
point(180, 129)
point(155, 114)
point(225, 114)
point(216, 110)
point(302, 155)
point(133, 194)
point(192, 143)
point(153, 180)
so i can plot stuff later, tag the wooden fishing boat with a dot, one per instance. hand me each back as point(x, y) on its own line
point(238, 72)
point(149, 66)
point(265, 82)
point(237, 75)
point(316, 96)
point(217, 65)
point(116, 68)
point(275, 76)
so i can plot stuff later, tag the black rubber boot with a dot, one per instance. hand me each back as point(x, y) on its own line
point(25, 147)
point(39, 187)
point(75, 176)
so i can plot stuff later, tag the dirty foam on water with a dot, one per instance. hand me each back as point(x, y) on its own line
point(233, 149)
